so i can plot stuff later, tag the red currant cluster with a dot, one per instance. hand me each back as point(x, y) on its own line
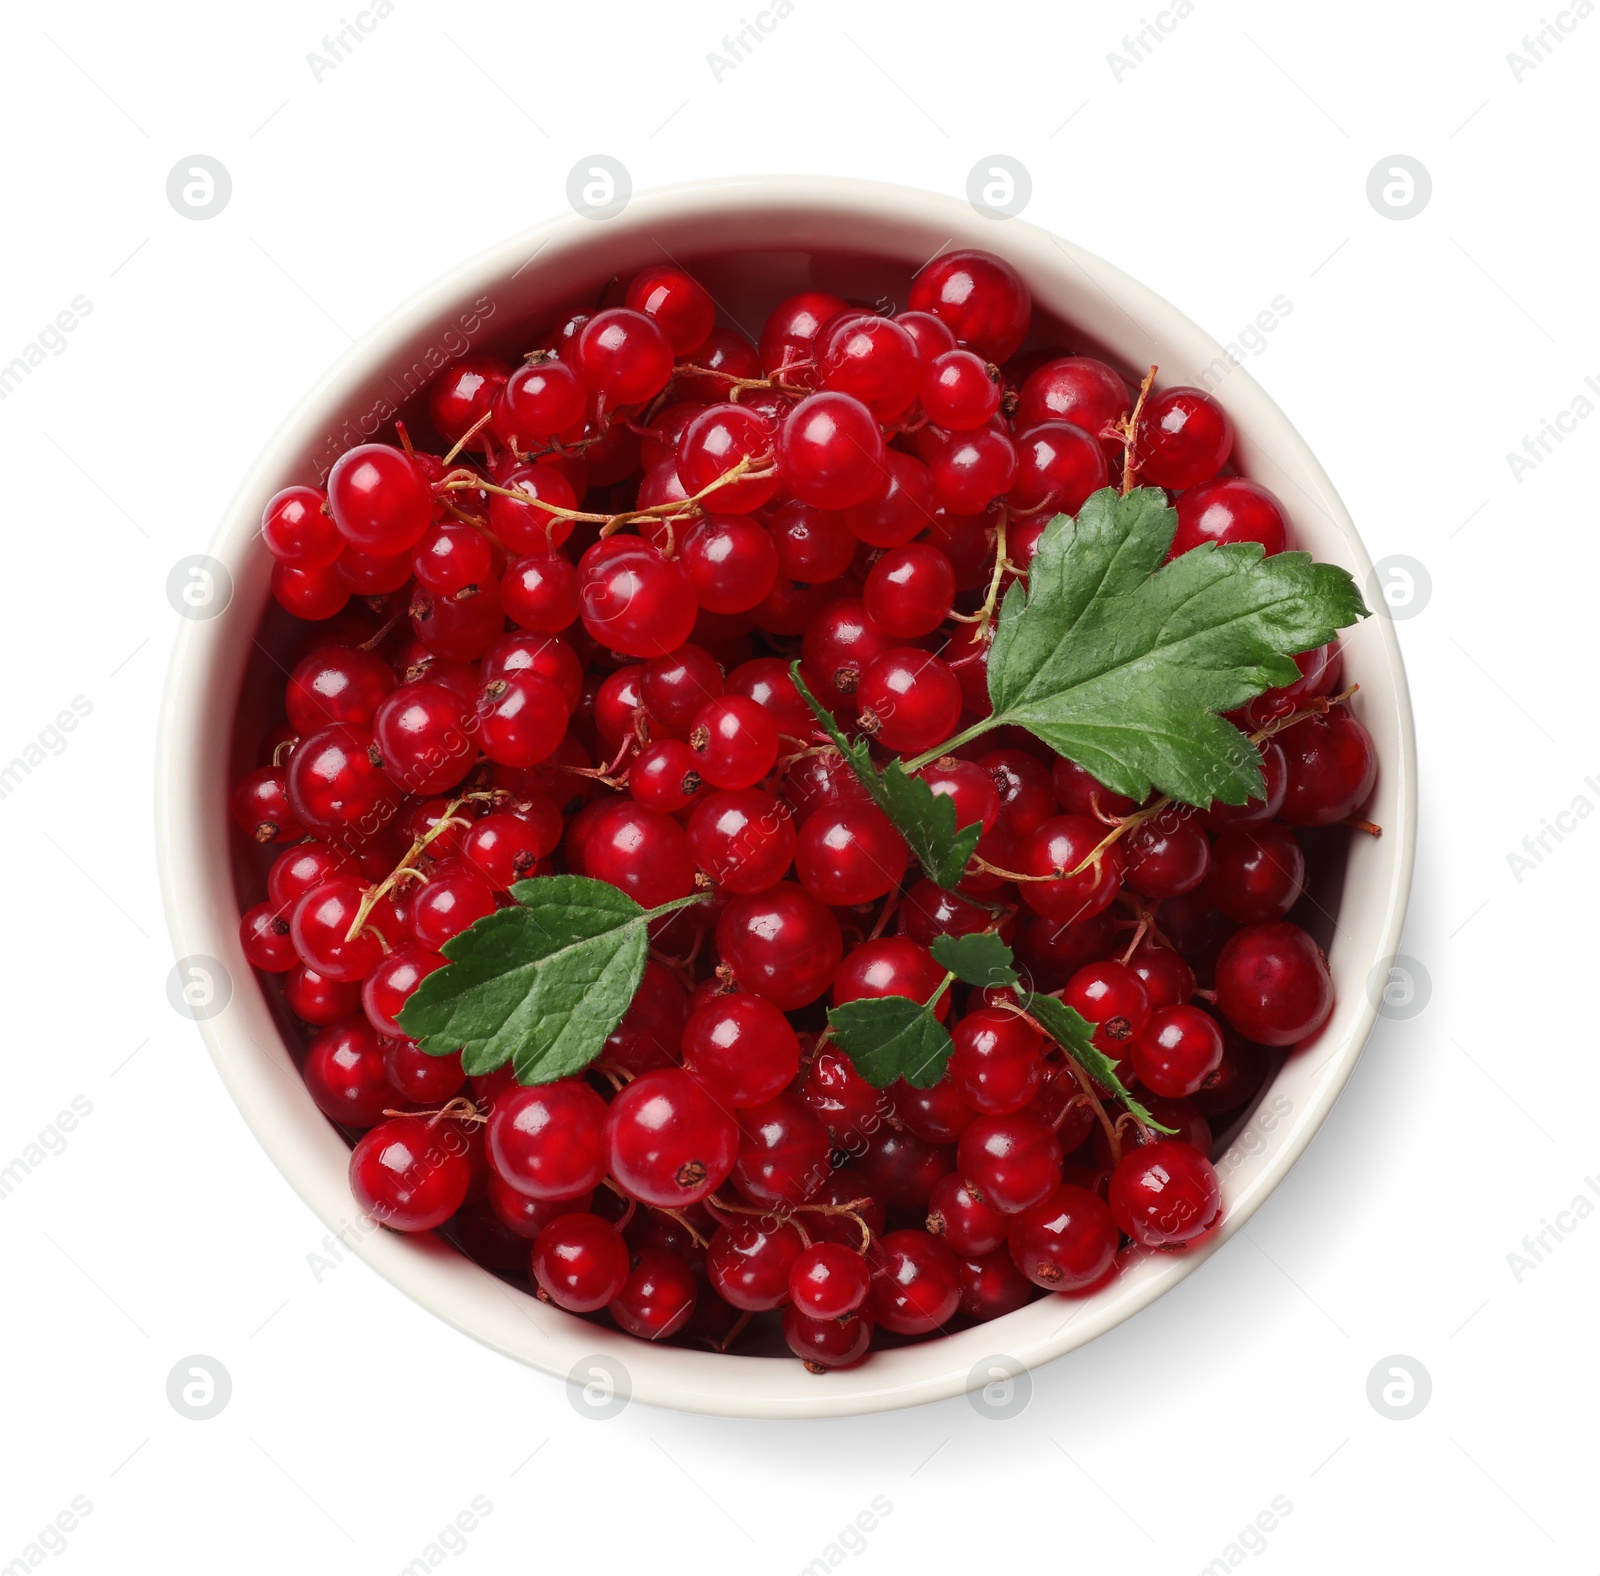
point(563, 643)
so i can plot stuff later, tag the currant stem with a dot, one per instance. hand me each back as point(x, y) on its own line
point(375, 895)
point(1130, 434)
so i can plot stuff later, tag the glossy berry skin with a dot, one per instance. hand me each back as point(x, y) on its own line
point(344, 1073)
point(422, 1079)
point(311, 594)
point(1057, 847)
point(1332, 766)
point(741, 1048)
point(968, 1226)
point(828, 1281)
point(540, 399)
point(336, 782)
point(678, 303)
point(726, 355)
point(1165, 1194)
point(320, 922)
point(813, 545)
point(734, 742)
point(298, 529)
point(916, 1283)
point(505, 848)
point(526, 1215)
point(1185, 438)
point(669, 1141)
point(781, 944)
point(744, 840)
point(890, 966)
point(266, 940)
point(791, 328)
point(1275, 779)
point(937, 1115)
point(1166, 978)
point(838, 647)
point(970, 470)
point(960, 391)
point(993, 1286)
point(717, 440)
point(909, 591)
point(528, 523)
point(633, 600)
point(1230, 510)
point(426, 735)
point(1009, 1162)
point(1166, 855)
point(831, 452)
point(997, 1063)
point(1273, 984)
point(909, 699)
point(662, 776)
point(380, 502)
point(783, 1151)
point(1078, 793)
point(463, 394)
point(260, 807)
point(977, 801)
point(658, 1298)
point(1257, 872)
point(1066, 1242)
point(639, 851)
point(732, 562)
point(675, 687)
point(548, 1140)
point(454, 897)
point(1113, 998)
point(580, 1263)
point(871, 358)
point(315, 999)
point(1176, 1051)
point(336, 684)
point(1058, 466)
point(389, 986)
point(453, 560)
point(850, 853)
point(749, 1259)
point(931, 336)
point(824, 1344)
point(902, 506)
point(1080, 390)
point(521, 718)
point(623, 355)
point(410, 1176)
point(979, 298)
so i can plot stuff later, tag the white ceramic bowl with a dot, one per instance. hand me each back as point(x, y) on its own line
point(796, 230)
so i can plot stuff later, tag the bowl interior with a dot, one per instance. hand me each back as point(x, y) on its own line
point(751, 243)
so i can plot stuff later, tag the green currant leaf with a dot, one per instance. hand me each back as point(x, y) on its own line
point(925, 819)
point(981, 959)
point(541, 984)
point(1075, 1035)
point(890, 1037)
point(1124, 663)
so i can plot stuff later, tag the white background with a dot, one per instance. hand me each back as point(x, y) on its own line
point(1227, 168)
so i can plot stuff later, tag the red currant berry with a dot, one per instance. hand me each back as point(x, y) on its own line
point(1178, 1049)
point(1165, 855)
point(658, 1298)
point(714, 442)
point(916, 1283)
point(669, 1141)
point(298, 529)
point(624, 355)
point(1165, 1194)
point(633, 600)
point(960, 391)
point(419, 1077)
point(824, 1344)
point(784, 1151)
point(548, 1140)
point(781, 944)
point(890, 966)
point(1332, 766)
point(1230, 510)
point(748, 1262)
point(838, 647)
point(676, 302)
point(541, 398)
point(464, 394)
point(813, 545)
point(1058, 466)
point(320, 924)
point(870, 358)
point(1185, 437)
point(828, 1281)
point(266, 940)
point(1080, 390)
point(725, 358)
point(979, 297)
point(850, 853)
point(640, 852)
point(1257, 872)
point(731, 561)
point(742, 1049)
point(311, 594)
point(791, 328)
point(1065, 1242)
point(997, 1064)
point(389, 986)
point(1273, 984)
point(902, 506)
point(743, 839)
point(336, 782)
point(967, 1225)
point(929, 334)
point(734, 741)
point(521, 718)
point(427, 736)
point(318, 1000)
point(993, 1286)
point(580, 1263)
point(909, 699)
point(505, 848)
point(410, 1176)
point(1056, 848)
point(1009, 1162)
point(529, 522)
point(831, 450)
point(379, 500)
point(260, 806)
point(767, 682)
point(908, 592)
point(1113, 998)
point(663, 777)
point(970, 470)
point(345, 1074)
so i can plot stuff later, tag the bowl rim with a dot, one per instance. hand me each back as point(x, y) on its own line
point(255, 1065)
